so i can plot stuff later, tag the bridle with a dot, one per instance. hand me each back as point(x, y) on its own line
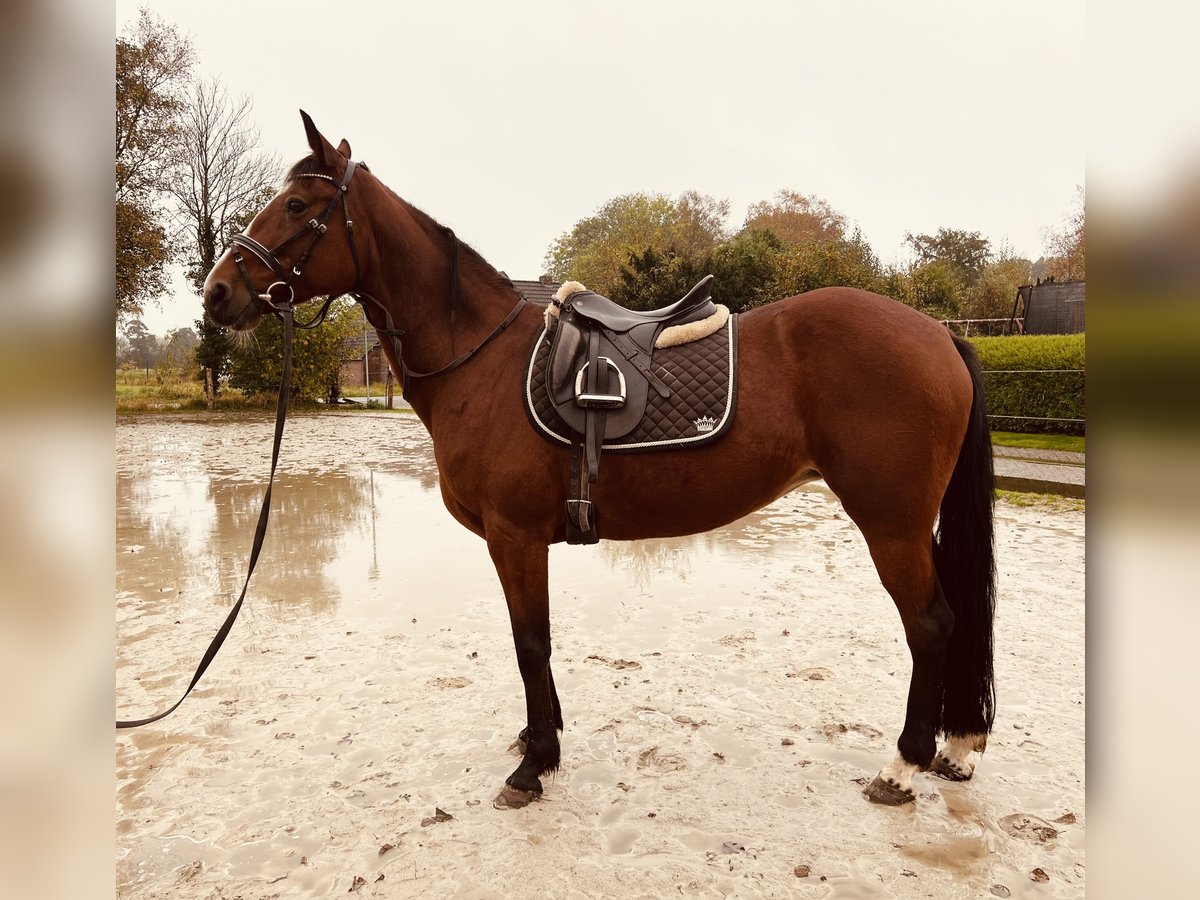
point(284, 310)
point(316, 227)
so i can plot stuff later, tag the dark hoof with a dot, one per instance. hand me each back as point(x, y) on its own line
point(880, 791)
point(514, 798)
point(943, 768)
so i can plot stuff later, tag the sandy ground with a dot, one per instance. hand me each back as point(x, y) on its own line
point(726, 696)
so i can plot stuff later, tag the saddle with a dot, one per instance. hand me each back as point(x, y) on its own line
point(596, 370)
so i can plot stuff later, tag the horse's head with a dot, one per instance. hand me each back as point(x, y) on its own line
point(299, 246)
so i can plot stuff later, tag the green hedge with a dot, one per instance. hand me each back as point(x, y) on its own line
point(1012, 390)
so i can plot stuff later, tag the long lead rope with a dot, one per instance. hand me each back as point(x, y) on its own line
point(260, 531)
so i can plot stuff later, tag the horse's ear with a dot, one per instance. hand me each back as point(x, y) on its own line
point(344, 148)
point(323, 151)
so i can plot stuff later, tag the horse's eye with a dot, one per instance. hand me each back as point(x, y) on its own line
point(296, 205)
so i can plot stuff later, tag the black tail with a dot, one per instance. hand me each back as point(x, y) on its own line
point(963, 554)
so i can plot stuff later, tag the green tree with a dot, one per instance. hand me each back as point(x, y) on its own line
point(797, 219)
point(965, 252)
point(992, 296)
point(846, 262)
point(933, 287)
point(179, 350)
point(744, 267)
point(749, 269)
point(597, 247)
point(142, 250)
point(153, 64)
point(144, 349)
point(742, 270)
point(213, 349)
point(651, 279)
point(257, 364)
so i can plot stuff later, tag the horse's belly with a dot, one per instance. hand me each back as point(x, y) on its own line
point(685, 493)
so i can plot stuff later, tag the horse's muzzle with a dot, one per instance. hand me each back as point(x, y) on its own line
point(225, 307)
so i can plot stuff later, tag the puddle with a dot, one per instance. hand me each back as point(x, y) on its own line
point(372, 680)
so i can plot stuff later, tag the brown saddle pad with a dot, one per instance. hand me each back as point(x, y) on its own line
point(701, 375)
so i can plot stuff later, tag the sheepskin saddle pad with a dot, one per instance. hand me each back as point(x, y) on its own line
point(647, 380)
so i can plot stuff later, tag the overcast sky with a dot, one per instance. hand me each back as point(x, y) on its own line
point(510, 122)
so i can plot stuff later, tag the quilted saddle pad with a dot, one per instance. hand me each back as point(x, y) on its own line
point(701, 376)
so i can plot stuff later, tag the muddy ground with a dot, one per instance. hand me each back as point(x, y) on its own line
point(726, 696)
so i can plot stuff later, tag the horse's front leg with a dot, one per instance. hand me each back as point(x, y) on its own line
point(523, 737)
point(522, 564)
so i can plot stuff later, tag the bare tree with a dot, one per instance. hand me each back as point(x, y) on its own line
point(223, 176)
point(1066, 257)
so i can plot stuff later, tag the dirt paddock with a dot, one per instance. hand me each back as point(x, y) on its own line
point(726, 696)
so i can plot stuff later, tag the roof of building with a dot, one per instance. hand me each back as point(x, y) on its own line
point(540, 291)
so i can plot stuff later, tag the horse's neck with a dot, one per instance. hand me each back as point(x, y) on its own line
point(411, 276)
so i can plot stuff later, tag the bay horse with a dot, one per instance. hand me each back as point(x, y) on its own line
point(880, 401)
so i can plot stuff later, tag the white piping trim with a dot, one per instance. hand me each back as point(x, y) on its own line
point(529, 394)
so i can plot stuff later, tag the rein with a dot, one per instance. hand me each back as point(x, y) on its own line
point(285, 311)
point(260, 530)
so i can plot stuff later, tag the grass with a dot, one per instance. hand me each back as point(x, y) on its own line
point(1069, 442)
point(164, 390)
point(169, 390)
point(378, 391)
point(142, 390)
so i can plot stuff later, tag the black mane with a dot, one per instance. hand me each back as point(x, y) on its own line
point(309, 166)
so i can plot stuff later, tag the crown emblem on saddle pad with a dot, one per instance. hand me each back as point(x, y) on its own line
point(705, 424)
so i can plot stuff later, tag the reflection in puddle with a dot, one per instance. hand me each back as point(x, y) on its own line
point(184, 530)
point(961, 855)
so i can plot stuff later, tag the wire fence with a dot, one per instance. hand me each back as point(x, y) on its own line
point(985, 327)
point(1061, 405)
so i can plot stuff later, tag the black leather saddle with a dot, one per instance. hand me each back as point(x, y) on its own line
point(601, 372)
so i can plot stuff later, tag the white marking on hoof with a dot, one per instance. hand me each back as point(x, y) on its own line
point(899, 773)
point(952, 761)
point(887, 794)
point(893, 785)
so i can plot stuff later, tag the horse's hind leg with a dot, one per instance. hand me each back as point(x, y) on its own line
point(905, 566)
point(952, 761)
point(522, 566)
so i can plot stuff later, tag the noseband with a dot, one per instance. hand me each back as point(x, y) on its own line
point(316, 227)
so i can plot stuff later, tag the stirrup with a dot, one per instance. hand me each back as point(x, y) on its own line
point(600, 401)
point(581, 522)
